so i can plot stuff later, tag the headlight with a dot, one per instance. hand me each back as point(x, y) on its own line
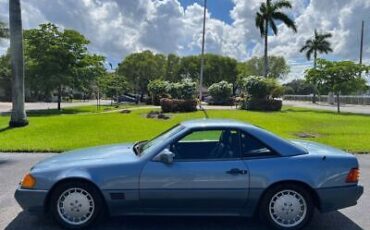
point(28, 181)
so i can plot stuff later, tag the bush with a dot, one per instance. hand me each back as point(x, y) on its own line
point(158, 89)
point(221, 93)
point(274, 89)
point(261, 93)
point(256, 87)
point(182, 90)
point(178, 105)
point(263, 104)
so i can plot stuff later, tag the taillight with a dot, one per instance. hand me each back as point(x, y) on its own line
point(353, 176)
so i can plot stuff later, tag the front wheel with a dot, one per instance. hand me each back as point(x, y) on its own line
point(76, 205)
point(287, 207)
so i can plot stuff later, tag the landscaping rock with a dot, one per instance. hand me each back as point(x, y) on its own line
point(158, 115)
point(306, 135)
point(126, 111)
point(163, 116)
point(152, 114)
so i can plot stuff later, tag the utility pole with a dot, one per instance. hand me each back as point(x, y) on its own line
point(202, 55)
point(362, 41)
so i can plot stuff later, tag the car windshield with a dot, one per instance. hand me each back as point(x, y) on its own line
point(146, 146)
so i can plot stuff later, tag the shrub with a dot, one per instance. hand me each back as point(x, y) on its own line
point(182, 90)
point(178, 105)
point(158, 89)
point(259, 87)
point(221, 93)
point(255, 87)
point(274, 89)
point(259, 104)
point(261, 93)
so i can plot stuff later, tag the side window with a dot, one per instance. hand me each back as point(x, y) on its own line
point(203, 136)
point(251, 147)
point(208, 145)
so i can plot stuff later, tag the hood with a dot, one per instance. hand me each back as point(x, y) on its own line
point(123, 152)
point(319, 149)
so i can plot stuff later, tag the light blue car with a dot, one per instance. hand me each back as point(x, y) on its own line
point(201, 167)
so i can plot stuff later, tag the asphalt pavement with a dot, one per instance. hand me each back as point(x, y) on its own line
point(14, 165)
point(345, 108)
point(6, 107)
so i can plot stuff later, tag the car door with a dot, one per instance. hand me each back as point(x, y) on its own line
point(206, 175)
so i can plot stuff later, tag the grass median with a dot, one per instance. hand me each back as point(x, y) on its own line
point(57, 132)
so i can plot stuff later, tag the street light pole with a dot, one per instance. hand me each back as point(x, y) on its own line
point(362, 40)
point(202, 55)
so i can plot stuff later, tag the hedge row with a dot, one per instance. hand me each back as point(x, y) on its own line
point(178, 105)
point(263, 104)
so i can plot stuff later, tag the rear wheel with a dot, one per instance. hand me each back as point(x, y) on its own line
point(76, 205)
point(287, 206)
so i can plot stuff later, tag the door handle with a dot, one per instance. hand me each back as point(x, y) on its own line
point(236, 171)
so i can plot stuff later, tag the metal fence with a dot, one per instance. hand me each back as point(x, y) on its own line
point(345, 99)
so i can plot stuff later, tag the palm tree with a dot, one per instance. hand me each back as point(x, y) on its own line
point(18, 117)
point(267, 16)
point(4, 31)
point(319, 44)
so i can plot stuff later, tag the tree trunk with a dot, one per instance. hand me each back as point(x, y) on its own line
point(136, 93)
point(142, 96)
point(234, 89)
point(315, 86)
point(59, 97)
point(18, 117)
point(338, 102)
point(266, 60)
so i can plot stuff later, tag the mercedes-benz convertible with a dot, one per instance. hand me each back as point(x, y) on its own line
point(201, 167)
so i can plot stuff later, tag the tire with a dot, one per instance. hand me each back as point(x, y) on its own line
point(76, 205)
point(287, 207)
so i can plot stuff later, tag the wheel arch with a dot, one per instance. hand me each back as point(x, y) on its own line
point(72, 179)
point(313, 193)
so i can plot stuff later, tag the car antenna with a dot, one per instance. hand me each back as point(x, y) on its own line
point(203, 110)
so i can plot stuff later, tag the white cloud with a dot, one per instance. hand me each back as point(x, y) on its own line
point(119, 27)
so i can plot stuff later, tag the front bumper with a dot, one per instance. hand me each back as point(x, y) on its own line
point(339, 197)
point(31, 200)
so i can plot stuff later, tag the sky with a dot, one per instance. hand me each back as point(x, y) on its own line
point(117, 28)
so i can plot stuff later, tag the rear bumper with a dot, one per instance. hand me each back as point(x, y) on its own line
point(339, 197)
point(31, 200)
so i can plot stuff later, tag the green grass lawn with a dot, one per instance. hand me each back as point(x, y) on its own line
point(59, 132)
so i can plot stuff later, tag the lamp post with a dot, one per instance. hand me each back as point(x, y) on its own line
point(202, 55)
point(362, 40)
point(362, 43)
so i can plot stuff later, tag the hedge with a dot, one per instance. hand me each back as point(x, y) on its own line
point(178, 105)
point(263, 104)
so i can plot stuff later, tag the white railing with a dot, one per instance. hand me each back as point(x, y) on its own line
point(344, 99)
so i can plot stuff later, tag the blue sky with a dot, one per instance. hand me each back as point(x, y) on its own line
point(117, 28)
point(219, 9)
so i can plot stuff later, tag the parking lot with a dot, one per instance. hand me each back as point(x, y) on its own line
point(14, 165)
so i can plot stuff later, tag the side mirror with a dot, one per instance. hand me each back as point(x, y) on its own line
point(166, 156)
